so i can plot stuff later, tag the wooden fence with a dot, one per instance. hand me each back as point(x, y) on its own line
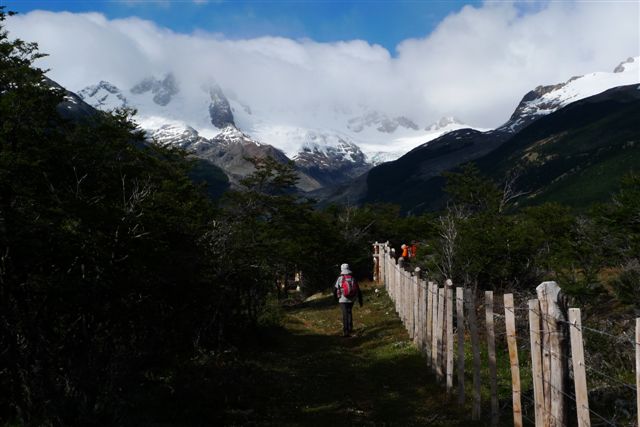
point(435, 319)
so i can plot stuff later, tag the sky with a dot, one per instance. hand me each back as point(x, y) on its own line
point(301, 59)
point(381, 22)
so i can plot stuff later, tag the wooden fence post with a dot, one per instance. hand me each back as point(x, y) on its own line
point(417, 334)
point(412, 285)
point(434, 331)
point(387, 267)
point(398, 280)
point(423, 315)
point(510, 323)
point(408, 302)
point(449, 323)
point(638, 368)
point(460, 332)
point(473, 329)
point(429, 321)
point(536, 360)
point(406, 287)
point(376, 263)
point(491, 352)
point(554, 352)
point(579, 374)
point(440, 329)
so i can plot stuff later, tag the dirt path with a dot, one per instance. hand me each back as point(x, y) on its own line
point(311, 375)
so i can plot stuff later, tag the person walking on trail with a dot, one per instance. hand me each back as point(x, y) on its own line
point(346, 291)
point(405, 252)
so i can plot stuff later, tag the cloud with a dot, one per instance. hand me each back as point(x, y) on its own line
point(476, 64)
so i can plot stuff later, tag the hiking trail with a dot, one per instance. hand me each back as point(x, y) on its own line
point(310, 375)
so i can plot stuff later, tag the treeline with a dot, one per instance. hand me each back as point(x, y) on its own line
point(484, 240)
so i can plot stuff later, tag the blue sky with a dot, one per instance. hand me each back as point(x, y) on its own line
point(383, 22)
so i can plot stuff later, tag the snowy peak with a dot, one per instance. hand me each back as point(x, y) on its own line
point(381, 122)
point(162, 90)
point(330, 158)
point(103, 96)
point(328, 149)
point(220, 109)
point(184, 137)
point(231, 135)
point(544, 100)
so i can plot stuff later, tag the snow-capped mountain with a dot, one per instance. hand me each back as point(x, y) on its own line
point(104, 96)
point(544, 100)
point(160, 102)
point(330, 147)
point(228, 150)
point(330, 159)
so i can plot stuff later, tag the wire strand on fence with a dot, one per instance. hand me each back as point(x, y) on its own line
point(596, 371)
point(610, 422)
point(542, 406)
point(548, 319)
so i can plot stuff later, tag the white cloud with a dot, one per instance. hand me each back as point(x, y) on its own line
point(475, 65)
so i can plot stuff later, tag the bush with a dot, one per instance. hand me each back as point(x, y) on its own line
point(627, 285)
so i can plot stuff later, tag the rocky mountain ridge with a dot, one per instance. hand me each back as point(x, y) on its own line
point(324, 156)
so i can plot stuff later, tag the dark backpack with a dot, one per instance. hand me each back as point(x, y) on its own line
point(349, 286)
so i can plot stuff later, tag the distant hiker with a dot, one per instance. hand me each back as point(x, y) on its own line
point(346, 290)
point(413, 249)
point(405, 252)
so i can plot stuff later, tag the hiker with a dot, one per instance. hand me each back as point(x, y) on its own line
point(405, 252)
point(405, 257)
point(413, 249)
point(346, 290)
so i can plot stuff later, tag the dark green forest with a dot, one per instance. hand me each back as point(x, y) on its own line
point(126, 291)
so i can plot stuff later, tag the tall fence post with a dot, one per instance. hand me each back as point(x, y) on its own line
point(460, 332)
point(554, 352)
point(434, 325)
point(510, 324)
point(579, 373)
point(429, 322)
point(416, 306)
point(440, 334)
point(491, 352)
point(423, 315)
point(473, 329)
point(536, 360)
point(449, 322)
point(638, 369)
point(412, 285)
point(376, 263)
point(408, 302)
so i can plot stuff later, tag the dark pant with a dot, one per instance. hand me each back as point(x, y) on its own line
point(347, 318)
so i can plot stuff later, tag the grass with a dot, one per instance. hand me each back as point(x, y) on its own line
point(310, 375)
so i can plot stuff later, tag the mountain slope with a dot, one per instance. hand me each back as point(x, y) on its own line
point(575, 155)
point(407, 180)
